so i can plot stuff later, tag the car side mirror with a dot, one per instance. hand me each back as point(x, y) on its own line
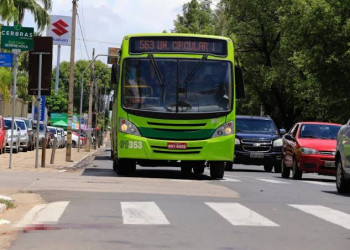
point(289, 137)
point(283, 131)
point(239, 83)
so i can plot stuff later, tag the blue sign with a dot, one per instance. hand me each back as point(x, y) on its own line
point(42, 109)
point(6, 60)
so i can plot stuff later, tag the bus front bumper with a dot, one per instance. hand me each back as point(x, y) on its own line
point(213, 149)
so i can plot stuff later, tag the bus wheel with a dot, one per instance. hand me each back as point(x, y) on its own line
point(217, 169)
point(125, 166)
point(186, 170)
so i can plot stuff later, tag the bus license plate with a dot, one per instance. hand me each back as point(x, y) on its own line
point(256, 155)
point(330, 164)
point(177, 145)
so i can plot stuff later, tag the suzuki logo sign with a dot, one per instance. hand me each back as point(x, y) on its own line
point(60, 30)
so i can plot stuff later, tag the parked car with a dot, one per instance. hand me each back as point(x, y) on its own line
point(42, 132)
point(16, 135)
point(342, 159)
point(258, 142)
point(58, 135)
point(24, 141)
point(75, 139)
point(30, 131)
point(62, 137)
point(3, 136)
point(309, 147)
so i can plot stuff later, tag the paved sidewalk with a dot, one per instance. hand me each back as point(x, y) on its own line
point(25, 161)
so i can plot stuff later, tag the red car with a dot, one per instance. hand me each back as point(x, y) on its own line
point(309, 147)
point(3, 136)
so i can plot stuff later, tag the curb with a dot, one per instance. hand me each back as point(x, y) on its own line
point(81, 161)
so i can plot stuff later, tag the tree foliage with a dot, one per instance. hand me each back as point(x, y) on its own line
point(295, 54)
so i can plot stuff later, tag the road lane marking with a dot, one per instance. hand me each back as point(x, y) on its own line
point(273, 181)
point(142, 213)
point(230, 179)
point(331, 215)
point(239, 215)
point(320, 183)
point(43, 214)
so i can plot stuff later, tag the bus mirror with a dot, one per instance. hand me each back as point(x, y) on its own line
point(115, 74)
point(239, 83)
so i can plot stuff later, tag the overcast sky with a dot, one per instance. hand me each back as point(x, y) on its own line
point(104, 23)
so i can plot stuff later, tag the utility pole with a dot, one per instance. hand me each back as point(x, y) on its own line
point(96, 113)
point(71, 86)
point(88, 145)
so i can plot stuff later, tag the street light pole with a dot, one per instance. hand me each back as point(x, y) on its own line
point(71, 86)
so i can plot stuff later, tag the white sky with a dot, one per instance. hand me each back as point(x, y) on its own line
point(105, 22)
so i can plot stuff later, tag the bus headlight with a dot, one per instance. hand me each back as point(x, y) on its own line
point(225, 129)
point(127, 127)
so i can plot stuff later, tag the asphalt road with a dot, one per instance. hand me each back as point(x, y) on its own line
point(160, 209)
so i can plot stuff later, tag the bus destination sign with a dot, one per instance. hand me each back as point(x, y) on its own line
point(195, 45)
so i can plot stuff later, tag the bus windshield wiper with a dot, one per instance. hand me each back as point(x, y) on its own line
point(193, 71)
point(156, 69)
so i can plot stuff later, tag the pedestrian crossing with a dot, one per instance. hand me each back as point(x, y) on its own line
point(236, 214)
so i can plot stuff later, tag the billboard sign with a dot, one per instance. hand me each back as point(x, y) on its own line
point(17, 37)
point(60, 30)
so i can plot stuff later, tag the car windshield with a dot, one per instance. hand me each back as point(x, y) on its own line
point(8, 123)
point(52, 130)
point(319, 131)
point(27, 123)
point(255, 126)
point(21, 125)
point(177, 85)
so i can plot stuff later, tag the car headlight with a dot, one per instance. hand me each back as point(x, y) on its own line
point(278, 143)
point(309, 151)
point(127, 127)
point(225, 129)
point(237, 141)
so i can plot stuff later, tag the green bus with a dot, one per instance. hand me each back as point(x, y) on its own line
point(174, 103)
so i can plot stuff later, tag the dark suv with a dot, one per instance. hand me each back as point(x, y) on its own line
point(258, 142)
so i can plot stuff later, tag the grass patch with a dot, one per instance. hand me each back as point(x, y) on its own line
point(9, 204)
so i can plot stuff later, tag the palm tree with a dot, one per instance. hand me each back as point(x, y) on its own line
point(8, 12)
point(39, 12)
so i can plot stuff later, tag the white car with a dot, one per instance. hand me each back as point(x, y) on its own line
point(16, 135)
point(57, 132)
point(24, 141)
point(75, 139)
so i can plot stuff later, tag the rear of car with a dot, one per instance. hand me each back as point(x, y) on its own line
point(24, 140)
point(342, 159)
point(258, 142)
point(16, 135)
point(30, 131)
point(3, 136)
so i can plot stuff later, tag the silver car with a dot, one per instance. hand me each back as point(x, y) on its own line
point(16, 135)
point(24, 141)
point(342, 159)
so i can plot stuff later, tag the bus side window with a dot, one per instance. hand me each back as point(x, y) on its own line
point(115, 74)
point(239, 83)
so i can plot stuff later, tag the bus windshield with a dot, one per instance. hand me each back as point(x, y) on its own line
point(177, 85)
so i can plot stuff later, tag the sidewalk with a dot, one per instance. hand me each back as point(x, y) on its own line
point(25, 161)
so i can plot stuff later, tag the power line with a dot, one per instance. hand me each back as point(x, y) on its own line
point(82, 34)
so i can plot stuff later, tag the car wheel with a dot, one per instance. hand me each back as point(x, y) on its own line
point(268, 167)
point(285, 171)
point(297, 174)
point(343, 185)
point(277, 168)
point(25, 149)
point(217, 169)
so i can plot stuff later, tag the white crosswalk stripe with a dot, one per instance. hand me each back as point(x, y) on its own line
point(43, 214)
point(273, 181)
point(145, 213)
point(239, 215)
point(320, 183)
point(328, 214)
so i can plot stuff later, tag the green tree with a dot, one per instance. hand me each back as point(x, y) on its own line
point(5, 82)
point(197, 18)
